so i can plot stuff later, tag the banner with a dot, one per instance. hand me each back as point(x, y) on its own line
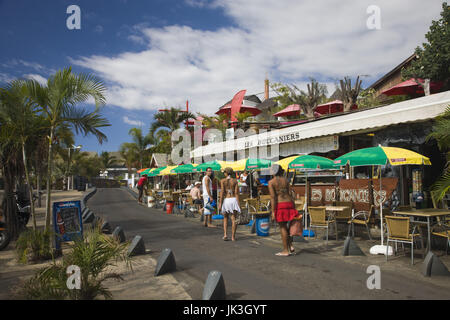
point(67, 221)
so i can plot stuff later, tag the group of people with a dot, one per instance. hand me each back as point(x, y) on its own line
point(282, 200)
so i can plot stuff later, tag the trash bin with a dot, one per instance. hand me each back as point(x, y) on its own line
point(169, 206)
point(262, 225)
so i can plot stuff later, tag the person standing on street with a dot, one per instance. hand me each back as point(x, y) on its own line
point(229, 202)
point(142, 184)
point(207, 197)
point(253, 180)
point(283, 207)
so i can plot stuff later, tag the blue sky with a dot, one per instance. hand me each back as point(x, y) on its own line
point(159, 53)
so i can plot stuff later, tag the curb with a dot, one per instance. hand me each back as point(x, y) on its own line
point(86, 196)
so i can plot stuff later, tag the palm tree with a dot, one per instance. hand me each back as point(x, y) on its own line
point(11, 162)
point(141, 142)
point(20, 119)
point(58, 100)
point(441, 132)
point(129, 153)
point(169, 120)
point(107, 160)
point(219, 122)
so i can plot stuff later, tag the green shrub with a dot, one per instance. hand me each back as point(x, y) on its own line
point(34, 246)
point(93, 256)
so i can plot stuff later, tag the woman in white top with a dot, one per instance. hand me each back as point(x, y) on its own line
point(229, 202)
point(243, 182)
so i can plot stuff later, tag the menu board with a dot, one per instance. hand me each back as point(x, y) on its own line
point(67, 220)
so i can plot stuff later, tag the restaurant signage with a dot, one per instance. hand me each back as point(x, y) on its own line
point(273, 140)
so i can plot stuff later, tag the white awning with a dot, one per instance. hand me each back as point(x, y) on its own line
point(414, 110)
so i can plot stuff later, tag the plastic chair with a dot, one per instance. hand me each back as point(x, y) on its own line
point(398, 231)
point(318, 219)
point(361, 218)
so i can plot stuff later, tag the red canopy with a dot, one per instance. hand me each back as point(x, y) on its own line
point(411, 87)
point(291, 110)
point(227, 110)
point(332, 107)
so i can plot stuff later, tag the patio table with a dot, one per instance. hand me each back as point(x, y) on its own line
point(424, 213)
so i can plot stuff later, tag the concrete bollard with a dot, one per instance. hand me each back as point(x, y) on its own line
point(214, 287)
point(118, 234)
point(166, 263)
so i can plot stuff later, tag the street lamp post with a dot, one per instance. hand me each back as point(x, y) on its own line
point(68, 168)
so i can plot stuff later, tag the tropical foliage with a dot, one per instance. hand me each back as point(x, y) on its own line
point(441, 133)
point(34, 246)
point(58, 101)
point(308, 101)
point(169, 121)
point(37, 123)
point(93, 255)
point(432, 61)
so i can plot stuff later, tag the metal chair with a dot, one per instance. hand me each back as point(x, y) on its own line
point(318, 219)
point(361, 218)
point(244, 217)
point(442, 229)
point(191, 209)
point(398, 231)
point(178, 203)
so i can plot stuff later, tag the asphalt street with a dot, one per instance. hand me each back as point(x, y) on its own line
point(249, 265)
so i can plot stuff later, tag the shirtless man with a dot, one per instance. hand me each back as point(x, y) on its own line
point(207, 197)
point(229, 202)
point(283, 207)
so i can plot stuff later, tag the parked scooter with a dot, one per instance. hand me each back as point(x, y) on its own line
point(23, 212)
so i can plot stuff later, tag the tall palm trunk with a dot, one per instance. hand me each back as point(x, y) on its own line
point(49, 178)
point(30, 188)
point(9, 203)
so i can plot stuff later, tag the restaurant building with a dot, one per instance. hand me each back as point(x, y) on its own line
point(404, 124)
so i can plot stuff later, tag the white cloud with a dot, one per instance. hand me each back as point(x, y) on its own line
point(288, 40)
point(4, 77)
point(37, 77)
point(98, 29)
point(132, 122)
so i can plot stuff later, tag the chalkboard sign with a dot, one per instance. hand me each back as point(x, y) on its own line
point(67, 221)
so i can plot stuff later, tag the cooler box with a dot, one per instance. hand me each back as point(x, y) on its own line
point(262, 225)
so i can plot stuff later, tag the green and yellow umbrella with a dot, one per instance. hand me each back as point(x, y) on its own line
point(167, 171)
point(184, 168)
point(153, 172)
point(214, 165)
point(381, 156)
point(246, 164)
point(306, 161)
point(142, 170)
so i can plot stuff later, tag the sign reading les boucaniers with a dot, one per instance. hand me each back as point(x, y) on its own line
point(67, 221)
point(273, 140)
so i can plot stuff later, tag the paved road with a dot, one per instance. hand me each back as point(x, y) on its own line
point(249, 266)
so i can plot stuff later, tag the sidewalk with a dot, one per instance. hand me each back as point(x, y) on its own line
point(400, 263)
point(137, 285)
